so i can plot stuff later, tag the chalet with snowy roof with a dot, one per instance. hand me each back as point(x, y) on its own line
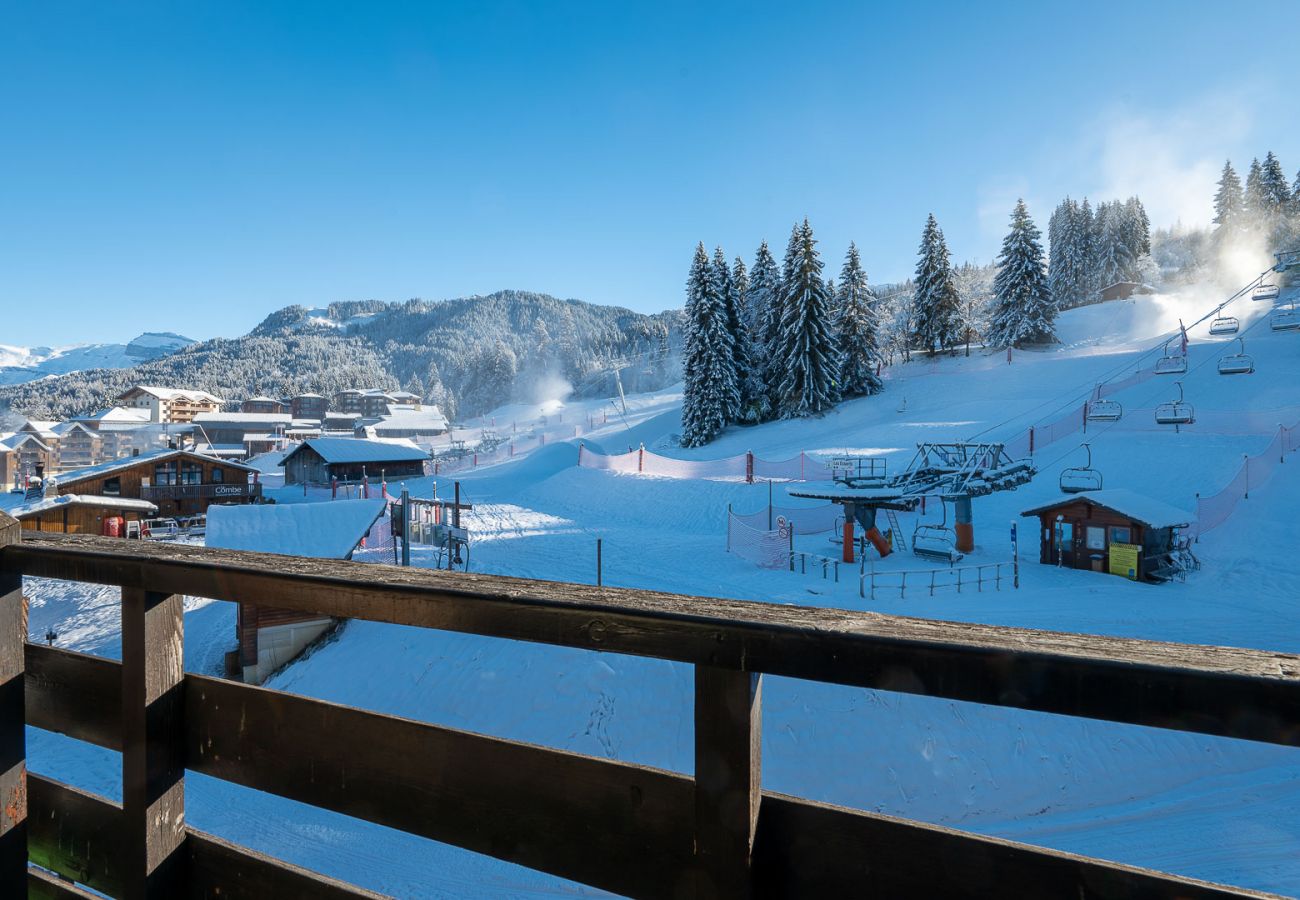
point(262, 405)
point(240, 435)
point(79, 445)
point(409, 422)
point(170, 404)
point(28, 455)
point(309, 406)
point(321, 460)
point(369, 403)
point(84, 514)
point(269, 637)
point(122, 430)
point(178, 482)
point(1117, 531)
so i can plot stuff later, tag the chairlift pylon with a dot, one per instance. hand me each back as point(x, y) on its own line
point(1224, 324)
point(1168, 364)
point(1237, 363)
point(936, 541)
point(1077, 479)
point(1102, 410)
point(1176, 412)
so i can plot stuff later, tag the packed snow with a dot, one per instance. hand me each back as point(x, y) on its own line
point(1210, 808)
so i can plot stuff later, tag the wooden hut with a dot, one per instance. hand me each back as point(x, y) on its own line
point(179, 482)
point(83, 514)
point(1117, 531)
point(321, 460)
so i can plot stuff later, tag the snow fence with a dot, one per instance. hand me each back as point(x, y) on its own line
point(743, 467)
point(1214, 510)
point(766, 549)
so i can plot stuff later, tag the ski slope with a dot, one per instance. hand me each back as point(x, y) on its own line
point(1211, 808)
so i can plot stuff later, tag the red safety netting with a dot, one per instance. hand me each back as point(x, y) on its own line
point(745, 467)
point(767, 549)
point(1214, 510)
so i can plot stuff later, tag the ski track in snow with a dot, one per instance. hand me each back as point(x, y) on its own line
point(1206, 807)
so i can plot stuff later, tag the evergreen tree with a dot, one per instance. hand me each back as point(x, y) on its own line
point(1228, 199)
point(1273, 186)
point(1088, 238)
point(1068, 270)
point(857, 327)
point(1113, 257)
point(935, 301)
point(708, 363)
point(806, 345)
point(740, 281)
point(765, 303)
point(1023, 308)
point(1254, 202)
point(751, 399)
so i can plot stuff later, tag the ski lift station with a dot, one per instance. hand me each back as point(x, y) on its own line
point(1116, 531)
point(951, 472)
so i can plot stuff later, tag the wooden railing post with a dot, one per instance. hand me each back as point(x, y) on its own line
point(728, 782)
point(153, 730)
point(13, 748)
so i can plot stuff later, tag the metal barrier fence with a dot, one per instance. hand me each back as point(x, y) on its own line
point(931, 580)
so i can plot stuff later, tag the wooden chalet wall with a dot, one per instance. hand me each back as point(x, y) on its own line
point(1080, 515)
point(132, 476)
point(80, 518)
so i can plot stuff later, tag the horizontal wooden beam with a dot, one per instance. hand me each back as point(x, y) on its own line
point(612, 825)
point(75, 694)
point(220, 869)
point(43, 885)
point(1214, 690)
point(75, 833)
point(807, 849)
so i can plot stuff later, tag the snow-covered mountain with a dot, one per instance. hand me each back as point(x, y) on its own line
point(22, 364)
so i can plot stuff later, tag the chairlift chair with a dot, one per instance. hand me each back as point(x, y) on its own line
point(1168, 364)
point(1176, 412)
point(936, 541)
point(1285, 319)
point(1237, 363)
point(1100, 410)
point(1224, 324)
point(1077, 479)
point(1265, 292)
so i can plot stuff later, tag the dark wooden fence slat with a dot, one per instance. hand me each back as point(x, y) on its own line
point(75, 694)
point(1249, 694)
point(13, 742)
point(77, 834)
point(807, 849)
point(728, 778)
point(153, 749)
point(220, 870)
point(616, 826)
point(44, 886)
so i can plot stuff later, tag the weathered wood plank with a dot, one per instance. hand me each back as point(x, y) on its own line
point(75, 694)
point(153, 749)
point(44, 886)
point(76, 834)
point(13, 742)
point(1214, 690)
point(806, 849)
point(220, 870)
point(728, 779)
point(620, 827)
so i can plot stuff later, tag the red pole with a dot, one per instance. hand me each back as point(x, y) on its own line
point(848, 534)
point(580, 454)
point(749, 467)
point(334, 488)
point(640, 459)
point(1031, 440)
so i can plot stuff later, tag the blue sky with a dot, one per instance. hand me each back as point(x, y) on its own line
point(194, 166)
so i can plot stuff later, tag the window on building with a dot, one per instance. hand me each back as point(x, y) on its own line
point(1096, 538)
point(164, 473)
point(218, 476)
point(1120, 534)
point(113, 487)
point(191, 473)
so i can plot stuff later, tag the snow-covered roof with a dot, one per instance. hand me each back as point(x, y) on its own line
point(261, 399)
point(1130, 504)
point(48, 503)
point(429, 420)
point(321, 530)
point(354, 450)
point(116, 414)
point(832, 490)
point(13, 442)
point(306, 396)
point(126, 462)
point(64, 427)
point(166, 393)
point(42, 427)
point(223, 418)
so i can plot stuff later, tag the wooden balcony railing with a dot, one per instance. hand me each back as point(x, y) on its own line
point(230, 491)
point(625, 828)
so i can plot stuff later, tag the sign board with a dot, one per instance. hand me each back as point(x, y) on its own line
point(227, 490)
point(844, 463)
point(1124, 560)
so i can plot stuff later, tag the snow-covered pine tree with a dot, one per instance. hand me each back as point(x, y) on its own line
point(708, 364)
point(764, 301)
point(935, 303)
point(1254, 203)
point(1112, 257)
point(751, 397)
point(805, 347)
point(1089, 276)
point(1273, 184)
point(1023, 309)
point(857, 329)
point(740, 281)
point(1067, 269)
point(1228, 199)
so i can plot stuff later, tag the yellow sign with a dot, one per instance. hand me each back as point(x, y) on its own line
point(1124, 560)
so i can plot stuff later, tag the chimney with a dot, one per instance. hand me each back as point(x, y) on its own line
point(135, 451)
point(40, 470)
